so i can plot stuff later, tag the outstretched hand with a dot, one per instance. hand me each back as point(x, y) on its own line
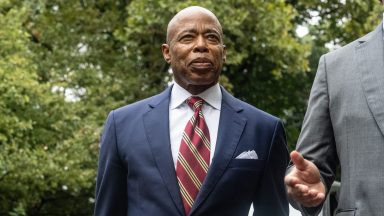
point(303, 183)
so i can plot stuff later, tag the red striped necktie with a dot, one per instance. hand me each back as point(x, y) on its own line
point(193, 159)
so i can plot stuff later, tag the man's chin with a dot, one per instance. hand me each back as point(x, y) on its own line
point(203, 81)
point(198, 87)
point(203, 78)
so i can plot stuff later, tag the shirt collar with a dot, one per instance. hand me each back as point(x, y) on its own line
point(212, 96)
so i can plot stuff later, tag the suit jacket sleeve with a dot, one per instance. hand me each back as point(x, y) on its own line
point(271, 198)
point(111, 186)
point(316, 141)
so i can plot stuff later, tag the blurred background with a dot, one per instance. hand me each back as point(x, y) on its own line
point(64, 64)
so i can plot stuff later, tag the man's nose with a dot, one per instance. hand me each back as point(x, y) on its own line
point(201, 44)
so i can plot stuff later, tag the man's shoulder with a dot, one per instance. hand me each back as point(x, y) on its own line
point(141, 106)
point(348, 49)
point(255, 112)
point(344, 51)
point(249, 111)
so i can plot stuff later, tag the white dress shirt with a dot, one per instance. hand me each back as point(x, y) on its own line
point(180, 113)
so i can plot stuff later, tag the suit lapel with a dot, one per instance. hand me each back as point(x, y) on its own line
point(156, 122)
point(370, 58)
point(231, 126)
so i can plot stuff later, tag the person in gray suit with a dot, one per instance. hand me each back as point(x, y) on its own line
point(343, 126)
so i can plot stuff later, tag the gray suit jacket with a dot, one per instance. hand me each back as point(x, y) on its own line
point(344, 124)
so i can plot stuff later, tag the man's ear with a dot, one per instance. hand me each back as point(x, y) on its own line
point(224, 53)
point(166, 53)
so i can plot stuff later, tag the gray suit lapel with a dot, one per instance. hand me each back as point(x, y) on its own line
point(231, 126)
point(370, 58)
point(156, 123)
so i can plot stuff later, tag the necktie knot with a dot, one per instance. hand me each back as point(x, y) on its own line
point(196, 103)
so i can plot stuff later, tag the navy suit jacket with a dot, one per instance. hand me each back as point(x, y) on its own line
point(136, 174)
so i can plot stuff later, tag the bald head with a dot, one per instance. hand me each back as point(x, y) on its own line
point(189, 12)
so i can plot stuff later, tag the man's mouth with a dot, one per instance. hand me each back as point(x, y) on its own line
point(201, 63)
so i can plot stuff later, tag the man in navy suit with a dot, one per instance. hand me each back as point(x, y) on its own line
point(139, 152)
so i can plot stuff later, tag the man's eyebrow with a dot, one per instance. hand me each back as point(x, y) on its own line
point(190, 30)
point(212, 31)
point(193, 30)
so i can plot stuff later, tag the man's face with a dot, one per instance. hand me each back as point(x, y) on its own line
point(195, 50)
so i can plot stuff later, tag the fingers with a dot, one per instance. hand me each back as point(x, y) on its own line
point(295, 187)
point(304, 183)
point(305, 169)
point(299, 161)
point(305, 196)
point(316, 195)
point(293, 180)
point(312, 199)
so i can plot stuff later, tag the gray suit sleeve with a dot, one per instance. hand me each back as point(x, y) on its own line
point(316, 141)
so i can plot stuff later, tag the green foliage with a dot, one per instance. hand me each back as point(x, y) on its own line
point(43, 155)
point(65, 64)
point(339, 22)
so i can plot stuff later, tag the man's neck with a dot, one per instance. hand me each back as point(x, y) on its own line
point(197, 89)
